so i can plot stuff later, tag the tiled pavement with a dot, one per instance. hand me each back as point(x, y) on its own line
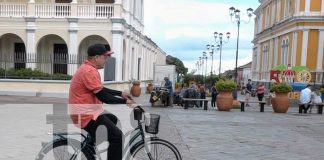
point(198, 134)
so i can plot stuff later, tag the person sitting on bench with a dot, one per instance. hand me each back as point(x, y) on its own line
point(305, 98)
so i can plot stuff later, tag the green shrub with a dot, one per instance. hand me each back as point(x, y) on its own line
point(322, 90)
point(281, 88)
point(28, 73)
point(2, 72)
point(61, 77)
point(225, 85)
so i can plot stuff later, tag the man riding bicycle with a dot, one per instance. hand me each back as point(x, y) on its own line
point(87, 94)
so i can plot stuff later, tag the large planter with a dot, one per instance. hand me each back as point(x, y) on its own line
point(136, 90)
point(149, 88)
point(280, 103)
point(224, 101)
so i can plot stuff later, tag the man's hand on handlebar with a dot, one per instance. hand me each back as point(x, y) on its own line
point(125, 95)
point(129, 100)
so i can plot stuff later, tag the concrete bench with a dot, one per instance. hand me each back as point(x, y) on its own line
point(318, 105)
point(186, 101)
point(262, 103)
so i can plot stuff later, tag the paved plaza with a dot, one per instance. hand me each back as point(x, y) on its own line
point(197, 133)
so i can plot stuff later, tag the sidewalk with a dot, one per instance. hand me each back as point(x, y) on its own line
point(197, 133)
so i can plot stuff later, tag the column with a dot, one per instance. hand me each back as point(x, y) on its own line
point(275, 51)
point(270, 55)
point(319, 63)
point(30, 46)
point(73, 46)
point(304, 47)
point(307, 6)
point(322, 8)
point(258, 64)
point(278, 11)
point(117, 45)
point(297, 6)
point(74, 8)
point(31, 8)
point(294, 48)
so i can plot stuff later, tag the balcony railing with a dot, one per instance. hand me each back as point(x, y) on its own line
point(13, 10)
point(56, 10)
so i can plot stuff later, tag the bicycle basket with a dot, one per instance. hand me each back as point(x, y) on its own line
point(152, 123)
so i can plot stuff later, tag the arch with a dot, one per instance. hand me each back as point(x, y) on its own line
point(52, 54)
point(89, 40)
point(109, 69)
point(12, 51)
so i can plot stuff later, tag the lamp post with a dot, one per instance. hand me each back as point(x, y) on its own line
point(220, 41)
point(205, 57)
point(198, 66)
point(201, 66)
point(237, 19)
point(211, 47)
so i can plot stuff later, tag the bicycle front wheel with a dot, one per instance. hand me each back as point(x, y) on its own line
point(159, 149)
point(62, 150)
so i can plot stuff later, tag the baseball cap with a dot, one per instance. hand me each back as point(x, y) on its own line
point(99, 49)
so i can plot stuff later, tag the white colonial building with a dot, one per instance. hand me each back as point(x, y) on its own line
point(53, 36)
point(35, 32)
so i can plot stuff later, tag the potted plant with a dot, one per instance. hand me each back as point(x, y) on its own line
point(225, 98)
point(149, 87)
point(136, 88)
point(280, 102)
point(178, 87)
point(322, 93)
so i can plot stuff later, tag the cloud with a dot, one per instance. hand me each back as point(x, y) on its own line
point(183, 28)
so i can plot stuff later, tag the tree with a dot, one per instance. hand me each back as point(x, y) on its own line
point(180, 68)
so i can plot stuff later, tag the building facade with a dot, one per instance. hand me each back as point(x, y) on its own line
point(243, 74)
point(53, 36)
point(288, 32)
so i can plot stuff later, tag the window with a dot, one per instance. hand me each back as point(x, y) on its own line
point(255, 59)
point(20, 56)
point(268, 17)
point(287, 9)
point(284, 52)
point(60, 58)
point(265, 58)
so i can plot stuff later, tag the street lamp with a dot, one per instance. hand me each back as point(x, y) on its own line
point(198, 66)
point(201, 65)
point(220, 41)
point(205, 57)
point(237, 19)
point(211, 47)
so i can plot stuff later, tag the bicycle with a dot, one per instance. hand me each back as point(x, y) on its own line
point(138, 148)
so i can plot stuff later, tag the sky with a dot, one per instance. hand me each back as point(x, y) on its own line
point(183, 28)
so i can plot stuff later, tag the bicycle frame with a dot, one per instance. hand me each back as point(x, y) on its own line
point(127, 150)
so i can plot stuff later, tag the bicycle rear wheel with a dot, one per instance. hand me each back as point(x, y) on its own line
point(159, 149)
point(64, 150)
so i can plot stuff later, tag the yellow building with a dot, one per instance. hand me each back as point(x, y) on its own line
point(288, 32)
